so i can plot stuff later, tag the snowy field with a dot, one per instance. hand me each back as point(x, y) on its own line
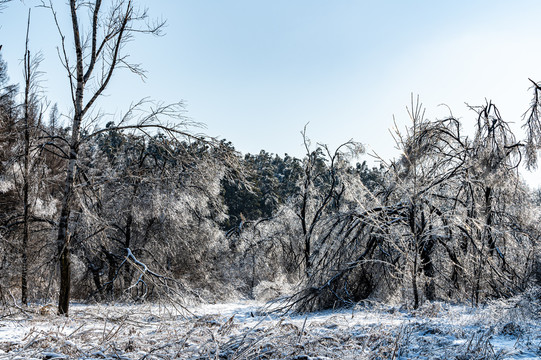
point(501, 330)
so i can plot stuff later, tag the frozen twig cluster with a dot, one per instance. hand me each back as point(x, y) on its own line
point(241, 331)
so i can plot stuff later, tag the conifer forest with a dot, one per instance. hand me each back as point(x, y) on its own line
point(144, 211)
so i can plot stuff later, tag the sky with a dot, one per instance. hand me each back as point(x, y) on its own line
point(256, 72)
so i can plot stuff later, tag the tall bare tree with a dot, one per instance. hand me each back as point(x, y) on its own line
point(26, 168)
point(98, 55)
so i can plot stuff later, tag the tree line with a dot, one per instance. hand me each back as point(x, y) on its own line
point(143, 208)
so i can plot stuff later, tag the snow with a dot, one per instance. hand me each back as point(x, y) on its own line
point(246, 330)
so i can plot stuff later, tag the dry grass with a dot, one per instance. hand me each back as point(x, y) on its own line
point(436, 331)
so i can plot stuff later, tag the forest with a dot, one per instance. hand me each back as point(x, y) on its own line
point(143, 206)
point(143, 209)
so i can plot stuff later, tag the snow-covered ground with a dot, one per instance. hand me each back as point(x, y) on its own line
point(244, 330)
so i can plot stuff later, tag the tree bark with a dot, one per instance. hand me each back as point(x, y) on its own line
point(26, 212)
point(63, 239)
point(414, 282)
point(26, 171)
point(488, 213)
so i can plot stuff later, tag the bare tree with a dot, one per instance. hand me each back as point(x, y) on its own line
point(98, 55)
point(32, 111)
point(23, 170)
point(26, 168)
point(321, 191)
point(8, 119)
point(449, 222)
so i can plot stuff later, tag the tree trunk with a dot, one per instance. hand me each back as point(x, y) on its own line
point(95, 271)
point(303, 213)
point(488, 212)
point(26, 205)
point(24, 250)
point(63, 225)
point(414, 283)
point(415, 229)
point(63, 239)
point(427, 266)
point(111, 273)
point(26, 171)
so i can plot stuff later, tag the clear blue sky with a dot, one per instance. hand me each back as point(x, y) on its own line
point(255, 72)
